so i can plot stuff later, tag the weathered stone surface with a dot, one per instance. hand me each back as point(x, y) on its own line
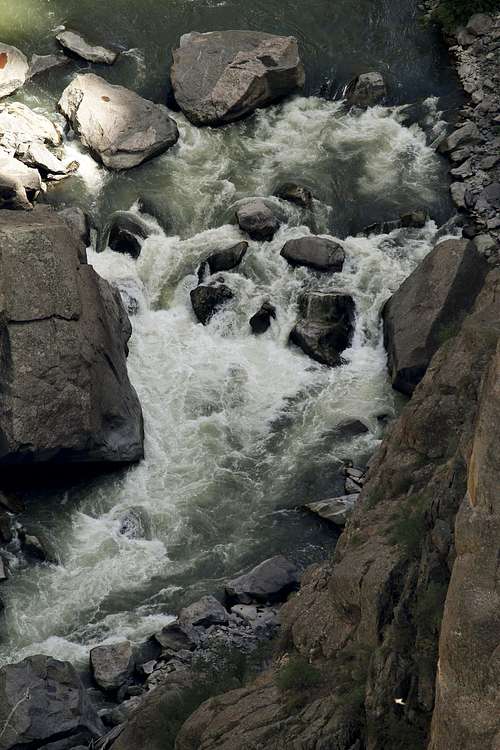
point(429, 308)
point(467, 133)
point(258, 617)
point(325, 327)
point(41, 63)
point(222, 76)
point(20, 125)
point(261, 321)
point(227, 259)
point(64, 332)
point(257, 220)
point(207, 611)
point(175, 637)
point(112, 664)
point(479, 24)
point(19, 184)
point(297, 194)
point(337, 510)
point(208, 299)
point(118, 126)
point(132, 292)
point(271, 580)
point(125, 232)
point(318, 253)
point(42, 698)
point(78, 221)
point(366, 90)
point(74, 42)
point(13, 69)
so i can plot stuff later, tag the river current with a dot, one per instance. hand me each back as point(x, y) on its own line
point(240, 430)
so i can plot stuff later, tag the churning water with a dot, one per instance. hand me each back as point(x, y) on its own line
point(240, 430)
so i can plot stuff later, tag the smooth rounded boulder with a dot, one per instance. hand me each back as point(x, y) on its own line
point(118, 126)
point(318, 253)
point(221, 76)
point(326, 326)
point(272, 580)
point(13, 69)
point(257, 220)
point(125, 233)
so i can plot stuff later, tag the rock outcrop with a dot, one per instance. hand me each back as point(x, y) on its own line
point(13, 69)
point(221, 76)
point(64, 332)
point(325, 327)
point(118, 126)
point(44, 700)
point(73, 42)
point(318, 253)
point(429, 308)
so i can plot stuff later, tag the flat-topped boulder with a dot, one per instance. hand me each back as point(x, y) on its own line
point(325, 327)
point(75, 43)
point(221, 76)
point(318, 253)
point(118, 126)
point(66, 394)
point(271, 580)
point(428, 309)
point(13, 69)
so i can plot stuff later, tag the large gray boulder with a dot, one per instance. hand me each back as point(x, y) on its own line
point(271, 580)
point(336, 510)
point(112, 664)
point(366, 90)
point(19, 184)
point(13, 69)
point(66, 393)
point(73, 42)
point(325, 327)
point(221, 76)
point(258, 220)
point(118, 126)
point(429, 308)
point(318, 253)
point(205, 612)
point(42, 699)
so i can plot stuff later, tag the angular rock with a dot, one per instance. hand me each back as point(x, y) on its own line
point(479, 24)
point(135, 524)
point(13, 69)
point(78, 221)
point(468, 133)
point(41, 63)
point(175, 637)
point(33, 547)
point(336, 510)
point(205, 612)
point(221, 76)
point(19, 185)
point(259, 618)
point(261, 321)
point(271, 580)
point(118, 126)
point(429, 308)
point(21, 126)
point(67, 396)
point(38, 156)
point(367, 90)
point(257, 220)
point(297, 194)
point(226, 260)
point(74, 42)
point(325, 327)
point(43, 698)
point(3, 570)
point(132, 292)
point(208, 299)
point(112, 664)
point(318, 253)
point(124, 233)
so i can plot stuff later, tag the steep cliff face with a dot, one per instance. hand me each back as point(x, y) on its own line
point(370, 619)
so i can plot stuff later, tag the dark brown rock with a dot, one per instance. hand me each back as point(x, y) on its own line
point(208, 299)
point(227, 259)
point(325, 327)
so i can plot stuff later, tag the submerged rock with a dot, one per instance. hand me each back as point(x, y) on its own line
point(429, 308)
point(135, 524)
point(208, 299)
point(297, 194)
point(221, 76)
point(13, 69)
point(326, 326)
point(20, 125)
point(261, 321)
point(257, 220)
point(41, 63)
point(74, 42)
point(336, 510)
point(118, 126)
point(366, 90)
point(318, 253)
point(124, 233)
point(67, 396)
point(271, 580)
point(42, 699)
point(112, 664)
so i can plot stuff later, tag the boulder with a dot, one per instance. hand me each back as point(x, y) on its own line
point(325, 327)
point(78, 221)
point(41, 63)
point(176, 637)
point(132, 292)
point(19, 185)
point(257, 617)
point(297, 194)
point(271, 580)
point(257, 220)
point(13, 69)
point(41, 699)
point(33, 547)
point(118, 126)
point(467, 133)
point(205, 612)
point(479, 24)
point(261, 321)
point(226, 260)
point(124, 233)
point(367, 90)
point(3, 570)
point(208, 299)
point(135, 524)
point(38, 156)
point(112, 664)
point(64, 332)
point(318, 253)
point(429, 308)
point(21, 126)
point(221, 76)
point(73, 42)
point(336, 510)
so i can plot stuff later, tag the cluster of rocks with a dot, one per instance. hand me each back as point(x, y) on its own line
point(474, 146)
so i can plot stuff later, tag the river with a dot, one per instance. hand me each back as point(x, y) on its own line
point(240, 430)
